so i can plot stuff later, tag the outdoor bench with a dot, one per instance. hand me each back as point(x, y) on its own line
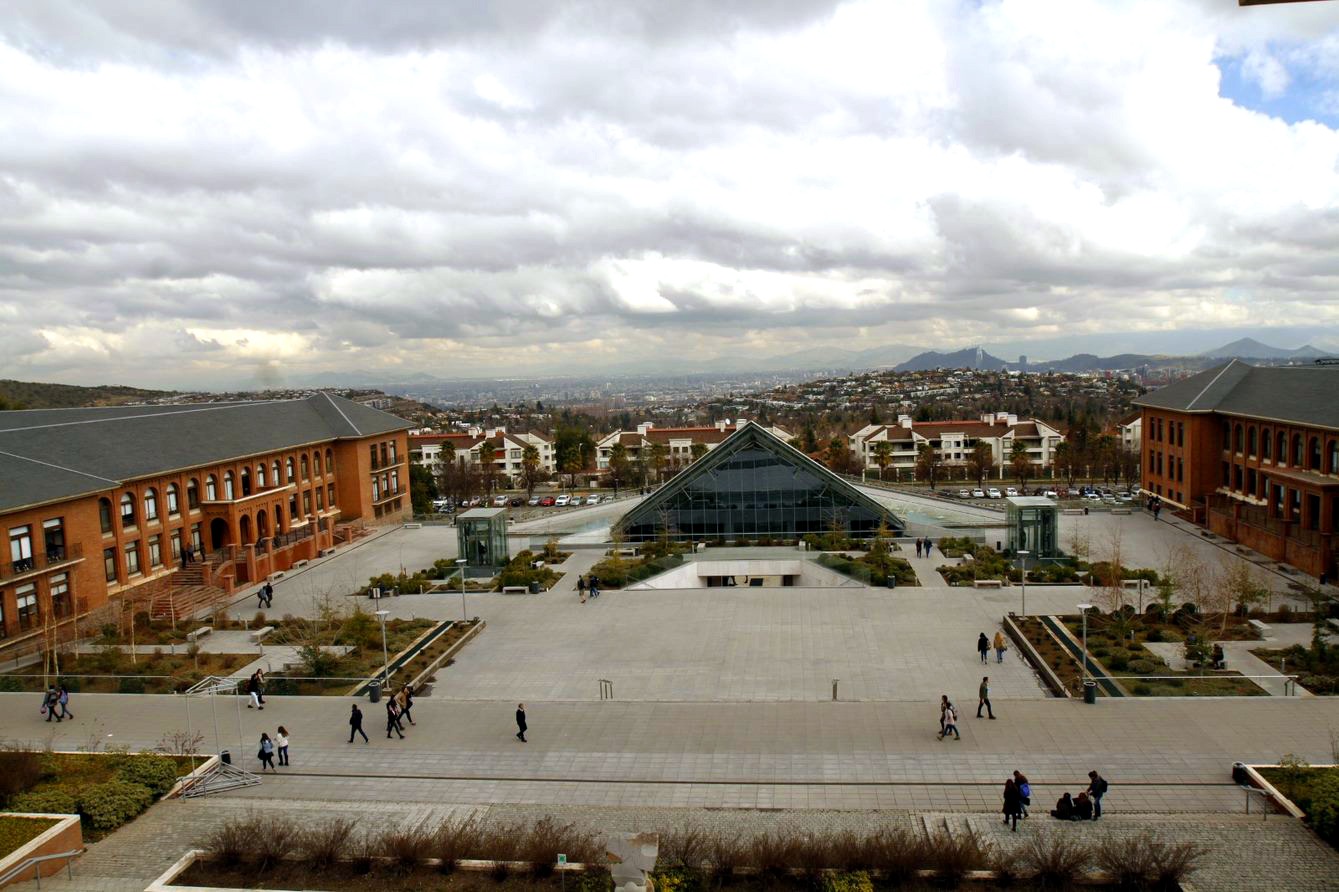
point(199, 633)
point(515, 589)
point(258, 634)
point(987, 583)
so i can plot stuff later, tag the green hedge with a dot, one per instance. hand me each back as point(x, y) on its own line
point(158, 773)
point(109, 805)
point(51, 802)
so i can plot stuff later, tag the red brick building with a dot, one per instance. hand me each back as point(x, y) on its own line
point(99, 504)
point(1253, 454)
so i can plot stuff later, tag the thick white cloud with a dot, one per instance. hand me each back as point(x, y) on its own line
point(204, 192)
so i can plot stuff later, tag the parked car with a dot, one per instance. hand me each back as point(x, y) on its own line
point(1051, 494)
point(534, 500)
point(499, 501)
point(476, 501)
point(994, 493)
point(1011, 491)
point(563, 500)
point(964, 494)
point(1092, 497)
point(516, 501)
point(978, 493)
point(547, 502)
point(593, 499)
point(443, 506)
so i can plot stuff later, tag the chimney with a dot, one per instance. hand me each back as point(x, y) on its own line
point(643, 428)
point(722, 424)
point(904, 421)
point(988, 418)
point(1011, 419)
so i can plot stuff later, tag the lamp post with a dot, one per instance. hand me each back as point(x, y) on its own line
point(1083, 609)
point(385, 657)
point(460, 568)
point(1024, 556)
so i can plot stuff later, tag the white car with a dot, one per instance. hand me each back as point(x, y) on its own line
point(994, 493)
point(1050, 494)
point(964, 494)
point(1092, 497)
point(499, 501)
point(1011, 491)
point(978, 493)
point(562, 501)
point(592, 499)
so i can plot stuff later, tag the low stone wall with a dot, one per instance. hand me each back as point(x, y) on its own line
point(65, 836)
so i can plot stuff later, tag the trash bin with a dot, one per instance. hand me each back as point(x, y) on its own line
point(225, 757)
point(1090, 692)
point(1085, 510)
point(374, 692)
point(892, 582)
point(1239, 775)
point(534, 586)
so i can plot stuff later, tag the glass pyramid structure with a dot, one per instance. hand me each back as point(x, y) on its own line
point(753, 486)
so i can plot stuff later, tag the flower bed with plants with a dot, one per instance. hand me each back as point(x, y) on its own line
point(1318, 669)
point(18, 832)
point(617, 571)
point(519, 571)
point(1314, 790)
point(254, 852)
point(323, 671)
point(153, 673)
point(872, 568)
point(105, 789)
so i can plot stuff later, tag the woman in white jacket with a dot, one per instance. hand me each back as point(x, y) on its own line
point(281, 740)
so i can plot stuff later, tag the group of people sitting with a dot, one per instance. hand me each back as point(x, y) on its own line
point(1069, 808)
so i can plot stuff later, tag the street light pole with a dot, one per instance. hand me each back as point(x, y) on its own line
point(460, 567)
point(385, 656)
point(1083, 609)
point(1024, 555)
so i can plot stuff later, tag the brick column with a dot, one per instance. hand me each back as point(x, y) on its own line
point(249, 551)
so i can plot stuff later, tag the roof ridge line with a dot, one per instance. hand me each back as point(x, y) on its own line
point(207, 407)
point(1191, 405)
point(356, 429)
point(38, 461)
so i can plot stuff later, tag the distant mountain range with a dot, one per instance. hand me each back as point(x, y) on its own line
point(978, 358)
point(1250, 348)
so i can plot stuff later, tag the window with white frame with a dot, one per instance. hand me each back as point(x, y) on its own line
point(21, 548)
point(211, 488)
point(59, 585)
point(150, 504)
point(156, 551)
point(25, 599)
point(132, 558)
point(173, 503)
point(127, 510)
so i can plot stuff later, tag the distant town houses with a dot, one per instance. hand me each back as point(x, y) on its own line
point(670, 447)
point(954, 442)
point(1131, 431)
point(504, 450)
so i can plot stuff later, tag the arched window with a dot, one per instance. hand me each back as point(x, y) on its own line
point(329, 461)
point(293, 508)
point(1266, 443)
point(1299, 460)
point(305, 467)
point(229, 492)
point(211, 488)
point(246, 482)
point(192, 493)
point(1240, 444)
point(1313, 459)
point(151, 504)
point(127, 510)
point(105, 514)
point(1250, 440)
point(320, 499)
point(316, 464)
point(288, 467)
point(1281, 455)
point(1227, 435)
point(173, 502)
point(260, 476)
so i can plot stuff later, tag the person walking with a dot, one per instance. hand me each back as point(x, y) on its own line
point(1024, 790)
point(64, 700)
point(356, 724)
point(1097, 788)
point(984, 693)
point(1000, 646)
point(281, 741)
point(918, 546)
point(393, 719)
point(943, 711)
point(950, 721)
point(269, 594)
point(983, 647)
point(1013, 803)
point(51, 704)
point(405, 701)
point(266, 754)
point(593, 584)
point(520, 722)
point(929, 546)
point(581, 588)
point(253, 691)
point(260, 597)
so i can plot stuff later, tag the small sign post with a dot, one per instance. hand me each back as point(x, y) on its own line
point(562, 874)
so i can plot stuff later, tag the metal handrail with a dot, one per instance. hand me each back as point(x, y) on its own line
point(41, 859)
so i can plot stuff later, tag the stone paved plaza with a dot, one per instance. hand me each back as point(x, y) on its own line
point(722, 714)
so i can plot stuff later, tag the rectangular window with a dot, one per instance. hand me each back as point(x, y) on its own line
point(105, 515)
point(26, 601)
point(109, 564)
point(395, 481)
point(156, 551)
point(53, 537)
point(132, 558)
point(372, 453)
point(394, 458)
point(320, 499)
point(376, 490)
point(173, 508)
point(293, 507)
point(21, 548)
point(306, 503)
point(383, 455)
point(330, 495)
point(60, 596)
point(197, 541)
point(3, 633)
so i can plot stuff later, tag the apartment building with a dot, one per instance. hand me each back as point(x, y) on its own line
point(678, 444)
point(1253, 454)
point(955, 440)
point(101, 503)
point(508, 450)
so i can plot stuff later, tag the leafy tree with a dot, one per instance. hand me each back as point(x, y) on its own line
point(883, 456)
point(620, 466)
point(1020, 462)
point(927, 463)
point(980, 462)
point(698, 450)
point(422, 488)
point(808, 439)
point(531, 472)
point(659, 456)
point(488, 465)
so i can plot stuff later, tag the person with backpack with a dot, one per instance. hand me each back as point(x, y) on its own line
point(950, 718)
point(1013, 803)
point(64, 701)
point(50, 703)
point(983, 646)
point(393, 719)
point(1024, 790)
point(356, 724)
point(1097, 788)
point(266, 754)
point(594, 586)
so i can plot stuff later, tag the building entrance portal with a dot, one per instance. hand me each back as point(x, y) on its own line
point(218, 534)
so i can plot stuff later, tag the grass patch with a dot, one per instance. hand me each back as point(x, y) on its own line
point(155, 673)
point(17, 832)
point(1314, 790)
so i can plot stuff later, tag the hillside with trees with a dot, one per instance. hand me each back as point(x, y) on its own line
point(38, 395)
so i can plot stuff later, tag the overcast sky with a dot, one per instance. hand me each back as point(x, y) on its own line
point(224, 191)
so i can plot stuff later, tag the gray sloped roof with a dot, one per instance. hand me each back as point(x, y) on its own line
point(51, 454)
point(1295, 394)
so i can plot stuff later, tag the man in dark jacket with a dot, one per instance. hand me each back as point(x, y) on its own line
point(1097, 788)
point(983, 646)
point(356, 724)
point(520, 722)
point(984, 693)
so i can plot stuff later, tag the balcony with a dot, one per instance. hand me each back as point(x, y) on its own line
point(42, 562)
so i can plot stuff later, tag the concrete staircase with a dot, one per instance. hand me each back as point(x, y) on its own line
point(185, 595)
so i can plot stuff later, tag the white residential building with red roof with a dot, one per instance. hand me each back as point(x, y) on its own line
point(428, 449)
point(678, 441)
point(955, 440)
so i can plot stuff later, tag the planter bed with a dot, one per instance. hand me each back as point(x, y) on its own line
point(1317, 676)
point(18, 832)
point(1313, 790)
point(112, 672)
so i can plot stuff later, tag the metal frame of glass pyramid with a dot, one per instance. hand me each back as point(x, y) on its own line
point(754, 487)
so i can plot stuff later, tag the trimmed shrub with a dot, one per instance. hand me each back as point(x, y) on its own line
point(1055, 861)
point(51, 802)
point(158, 773)
point(1143, 667)
point(847, 882)
point(111, 804)
point(1155, 635)
point(131, 685)
point(1323, 809)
